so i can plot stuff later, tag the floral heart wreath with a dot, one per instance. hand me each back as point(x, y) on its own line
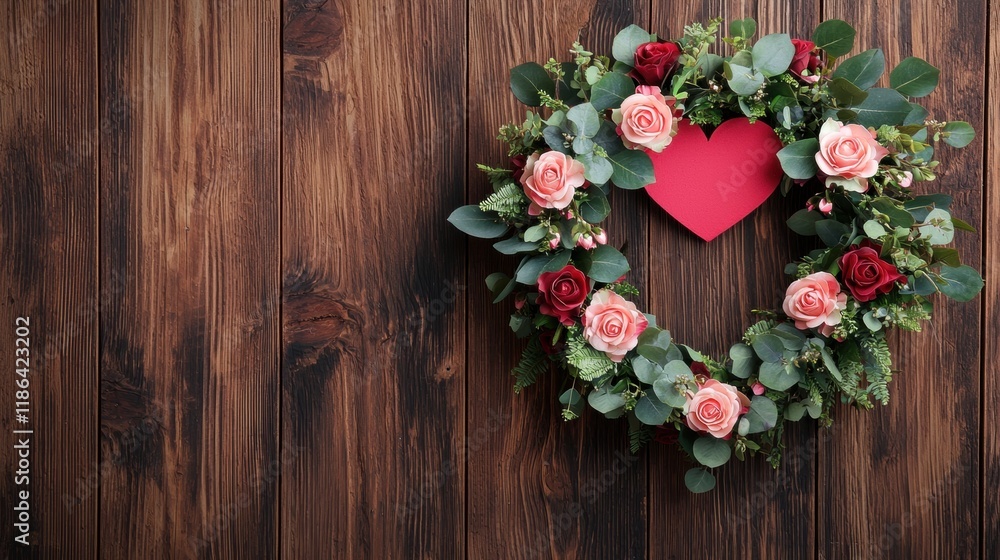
point(862, 148)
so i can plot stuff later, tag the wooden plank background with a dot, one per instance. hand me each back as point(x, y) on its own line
point(255, 336)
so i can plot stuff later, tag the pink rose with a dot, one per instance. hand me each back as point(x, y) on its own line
point(848, 154)
point(646, 119)
point(907, 179)
point(586, 241)
point(814, 301)
point(550, 180)
point(758, 388)
point(715, 408)
point(612, 324)
point(825, 206)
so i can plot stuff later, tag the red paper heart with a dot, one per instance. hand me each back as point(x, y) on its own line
point(710, 185)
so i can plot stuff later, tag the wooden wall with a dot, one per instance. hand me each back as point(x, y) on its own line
point(255, 336)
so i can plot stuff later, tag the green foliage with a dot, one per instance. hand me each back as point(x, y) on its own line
point(588, 363)
point(508, 202)
point(533, 363)
point(877, 361)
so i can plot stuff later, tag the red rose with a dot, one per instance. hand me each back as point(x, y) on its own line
point(560, 294)
point(545, 338)
point(517, 162)
point(654, 62)
point(806, 58)
point(865, 274)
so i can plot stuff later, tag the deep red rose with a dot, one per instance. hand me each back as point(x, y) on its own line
point(806, 58)
point(699, 368)
point(518, 162)
point(561, 293)
point(865, 274)
point(545, 338)
point(666, 434)
point(654, 62)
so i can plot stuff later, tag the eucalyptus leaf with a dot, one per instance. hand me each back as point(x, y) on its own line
point(611, 90)
point(527, 79)
point(778, 376)
point(938, 229)
point(646, 370)
point(883, 106)
point(744, 80)
point(596, 208)
point(712, 452)
point(831, 232)
point(745, 28)
point(768, 347)
point(772, 54)
point(699, 481)
point(835, 36)
point(627, 41)
point(862, 70)
point(529, 271)
point(961, 283)
point(763, 415)
point(604, 264)
point(583, 120)
point(604, 401)
point(473, 221)
point(914, 77)
point(632, 169)
point(744, 360)
point(798, 159)
point(958, 134)
point(651, 411)
point(803, 222)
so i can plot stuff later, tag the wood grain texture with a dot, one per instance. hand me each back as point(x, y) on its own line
point(697, 302)
point(48, 242)
point(189, 93)
point(374, 279)
point(903, 480)
point(990, 426)
point(542, 487)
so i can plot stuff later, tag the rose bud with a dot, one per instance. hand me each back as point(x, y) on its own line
point(757, 388)
point(654, 62)
point(586, 242)
point(554, 242)
point(806, 63)
point(601, 238)
point(825, 206)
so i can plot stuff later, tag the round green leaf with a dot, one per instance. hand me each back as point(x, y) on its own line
point(527, 80)
point(604, 401)
point(744, 360)
point(699, 481)
point(712, 452)
point(627, 41)
point(603, 264)
point(772, 54)
point(473, 221)
point(632, 169)
point(862, 70)
point(958, 134)
point(798, 159)
point(646, 370)
point(961, 283)
point(883, 106)
point(583, 120)
point(745, 28)
point(835, 36)
point(939, 229)
point(651, 411)
point(611, 90)
point(778, 376)
point(763, 415)
point(769, 348)
point(803, 222)
point(914, 77)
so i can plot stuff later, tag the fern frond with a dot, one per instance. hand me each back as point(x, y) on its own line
point(589, 363)
point(533, 363)
point(878, 367)
point(508, 201)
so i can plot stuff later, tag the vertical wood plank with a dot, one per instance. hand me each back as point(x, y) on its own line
point(990, 539)
point(373, 324)
point(189, 234)
point(542, 487)
point(48, 246)
point(705, 301)
point(903, 480)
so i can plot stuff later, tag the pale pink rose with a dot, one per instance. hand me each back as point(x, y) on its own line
point(646, 119)
point(550, 180)
point(848, 154)
point(758, 388)
point(715, 408)
point(825, 206)
point(586, 242)
point(907, 179)
point(814, 301)
point(601, 237)
point(612, 324)
point(554, 242)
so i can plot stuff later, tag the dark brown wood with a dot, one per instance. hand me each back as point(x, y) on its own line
point(48, 239)
point(990, 422)
point(189, 232)
point(704, 298)
point(903, 480)
point(374, 370)
point(541, 487)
